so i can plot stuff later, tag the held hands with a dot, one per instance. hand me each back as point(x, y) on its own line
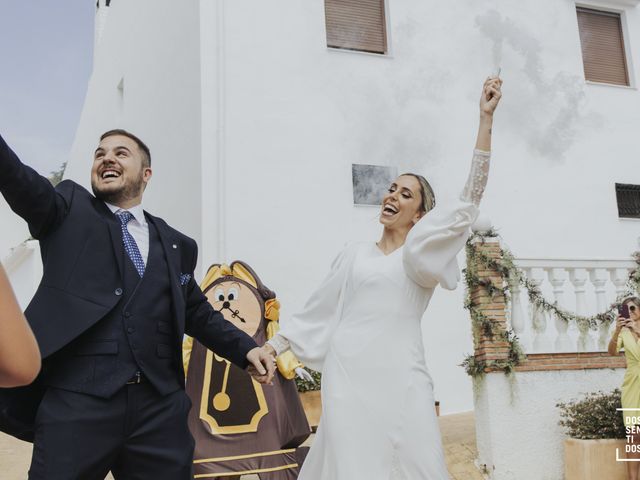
point(491, 94)
point(265, 357)
point(270, 350)
point(262, 364)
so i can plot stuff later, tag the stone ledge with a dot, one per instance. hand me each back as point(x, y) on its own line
point(570, 361)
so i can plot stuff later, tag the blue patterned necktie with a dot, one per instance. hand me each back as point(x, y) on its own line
point(129, 242)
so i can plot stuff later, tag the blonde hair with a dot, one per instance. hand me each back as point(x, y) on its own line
point(635, 300)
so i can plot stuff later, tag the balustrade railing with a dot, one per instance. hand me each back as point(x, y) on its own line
point(585, 287)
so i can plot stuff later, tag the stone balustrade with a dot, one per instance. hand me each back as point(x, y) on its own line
point(582, 286)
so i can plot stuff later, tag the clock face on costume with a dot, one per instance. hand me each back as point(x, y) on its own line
point(238, 303)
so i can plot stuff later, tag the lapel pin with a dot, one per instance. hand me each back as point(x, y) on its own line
point(175, 246)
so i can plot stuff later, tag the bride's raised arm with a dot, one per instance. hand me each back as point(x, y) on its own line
point(432, 245)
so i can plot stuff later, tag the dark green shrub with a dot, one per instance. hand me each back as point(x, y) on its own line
point(593, 417)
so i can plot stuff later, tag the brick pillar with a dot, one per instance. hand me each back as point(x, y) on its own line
point(490, 349)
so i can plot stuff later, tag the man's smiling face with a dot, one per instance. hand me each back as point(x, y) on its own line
point(119, 174)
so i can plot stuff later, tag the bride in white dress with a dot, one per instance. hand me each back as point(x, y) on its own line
point(361, 328)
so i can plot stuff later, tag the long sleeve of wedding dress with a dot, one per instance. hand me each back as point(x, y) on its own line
point(308, 332)
point(429, 255)
point(429, 258)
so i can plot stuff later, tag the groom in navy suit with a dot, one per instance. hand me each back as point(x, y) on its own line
point(116, 297)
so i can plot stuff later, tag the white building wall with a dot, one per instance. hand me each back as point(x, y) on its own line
point(298, 114)
point(254, 125)
point(14, 234)
point(146, 80)
point(23, 265)
point(14, 229)
point(518, 435)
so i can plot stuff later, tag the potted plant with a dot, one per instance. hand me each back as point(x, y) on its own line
point(310, 397)
point(596, 430)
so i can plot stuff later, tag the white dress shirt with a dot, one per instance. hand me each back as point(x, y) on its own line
point(138, 228)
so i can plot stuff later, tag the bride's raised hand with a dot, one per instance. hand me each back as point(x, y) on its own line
point(491, 94)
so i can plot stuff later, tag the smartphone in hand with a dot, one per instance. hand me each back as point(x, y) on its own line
point(623, 311)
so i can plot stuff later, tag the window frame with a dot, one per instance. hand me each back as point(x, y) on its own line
point(636, 188)
point(610, 6)
point(387, 32)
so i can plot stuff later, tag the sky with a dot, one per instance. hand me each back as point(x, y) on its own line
point(46, 50)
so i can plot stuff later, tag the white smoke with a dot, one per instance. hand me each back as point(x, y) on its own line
point(551, 111)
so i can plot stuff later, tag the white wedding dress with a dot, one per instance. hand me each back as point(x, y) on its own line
point(361, 328)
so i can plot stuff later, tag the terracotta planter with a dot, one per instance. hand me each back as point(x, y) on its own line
point(312, 405)
point(594, 459)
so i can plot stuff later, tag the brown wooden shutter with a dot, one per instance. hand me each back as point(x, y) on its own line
point(356, 25)
point(602, 47)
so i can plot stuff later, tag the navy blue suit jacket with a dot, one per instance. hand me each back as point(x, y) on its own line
point(82, 255)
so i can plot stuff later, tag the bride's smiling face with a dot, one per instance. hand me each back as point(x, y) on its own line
point(401, 206)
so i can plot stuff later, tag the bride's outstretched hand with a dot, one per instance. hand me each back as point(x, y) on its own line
point(491, 94)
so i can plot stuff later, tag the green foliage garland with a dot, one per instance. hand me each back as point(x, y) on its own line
point(512, 275)
point(483, 326)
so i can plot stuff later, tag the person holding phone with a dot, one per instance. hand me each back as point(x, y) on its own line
point(362, 329)
point(626, 336)
point(19, 352)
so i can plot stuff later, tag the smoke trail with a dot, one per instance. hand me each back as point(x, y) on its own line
point(551, 112)
point(501, 30)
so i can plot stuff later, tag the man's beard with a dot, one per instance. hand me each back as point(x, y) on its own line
point(128, 191)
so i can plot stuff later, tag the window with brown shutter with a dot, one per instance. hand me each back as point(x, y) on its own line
point(602, 46)
point(356, 25)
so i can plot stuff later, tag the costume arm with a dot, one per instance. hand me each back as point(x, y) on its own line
point(309, 332)
point(187, 348)
point(287, 362)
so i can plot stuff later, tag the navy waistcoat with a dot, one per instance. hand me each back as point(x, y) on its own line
point(136, 335)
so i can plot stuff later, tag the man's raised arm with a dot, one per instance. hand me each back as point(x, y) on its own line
point(29, 194)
